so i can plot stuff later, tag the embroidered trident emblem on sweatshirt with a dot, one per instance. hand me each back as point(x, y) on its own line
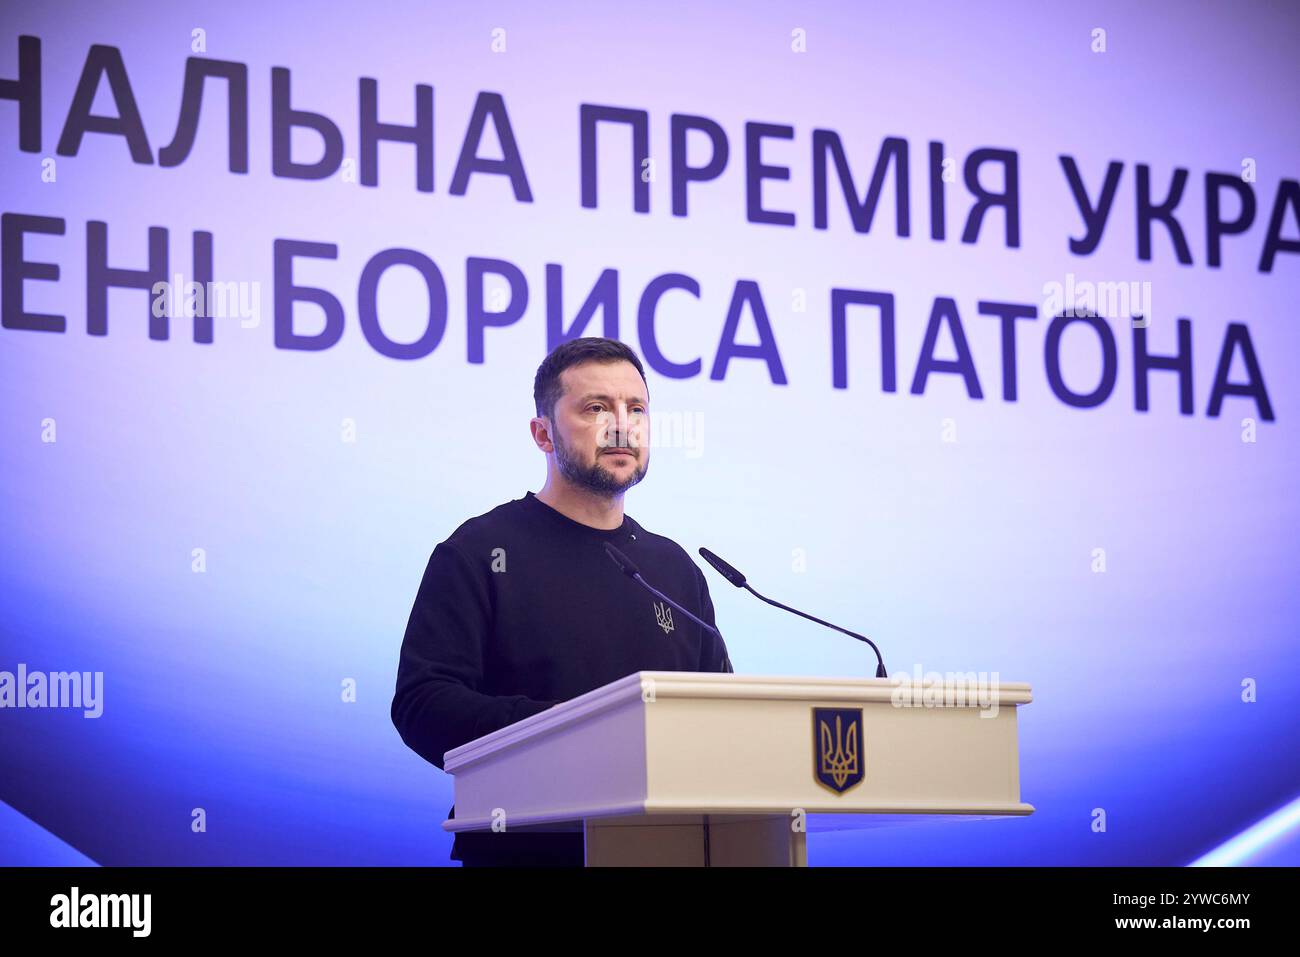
point(664, 616)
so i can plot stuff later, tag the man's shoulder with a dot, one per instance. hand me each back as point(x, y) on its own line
point(487, 527)
point(667, 547)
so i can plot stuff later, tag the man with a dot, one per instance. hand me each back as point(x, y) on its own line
point(521, 607)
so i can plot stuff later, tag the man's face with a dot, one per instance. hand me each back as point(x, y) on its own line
point(601, 427)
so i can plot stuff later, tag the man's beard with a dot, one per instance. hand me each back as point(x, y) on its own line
point(595, 477)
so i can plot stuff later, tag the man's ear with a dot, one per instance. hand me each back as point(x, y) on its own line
point(541, 427)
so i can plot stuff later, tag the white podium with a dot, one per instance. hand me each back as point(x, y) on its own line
point(702, 769)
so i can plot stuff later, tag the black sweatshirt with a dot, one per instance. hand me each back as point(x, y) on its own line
point(520, 609)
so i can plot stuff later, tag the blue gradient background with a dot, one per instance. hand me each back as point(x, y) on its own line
point(222, 690)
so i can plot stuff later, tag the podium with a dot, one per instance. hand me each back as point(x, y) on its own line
point(666, 768)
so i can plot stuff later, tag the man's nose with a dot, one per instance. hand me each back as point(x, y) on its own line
point(620, 428)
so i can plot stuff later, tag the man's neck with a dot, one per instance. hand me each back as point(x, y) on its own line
point(598, 511)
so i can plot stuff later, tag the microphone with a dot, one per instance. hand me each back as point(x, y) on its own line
point(628, 568)
point(736, 578)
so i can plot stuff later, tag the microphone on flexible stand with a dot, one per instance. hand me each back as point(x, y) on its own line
point(626, 566)
point(737, 579)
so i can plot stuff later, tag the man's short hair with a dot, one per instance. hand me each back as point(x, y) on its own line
point(547, 387)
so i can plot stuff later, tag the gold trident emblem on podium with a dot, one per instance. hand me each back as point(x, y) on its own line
point(838, 739)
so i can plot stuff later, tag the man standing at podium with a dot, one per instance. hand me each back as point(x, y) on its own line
point(521, 608)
